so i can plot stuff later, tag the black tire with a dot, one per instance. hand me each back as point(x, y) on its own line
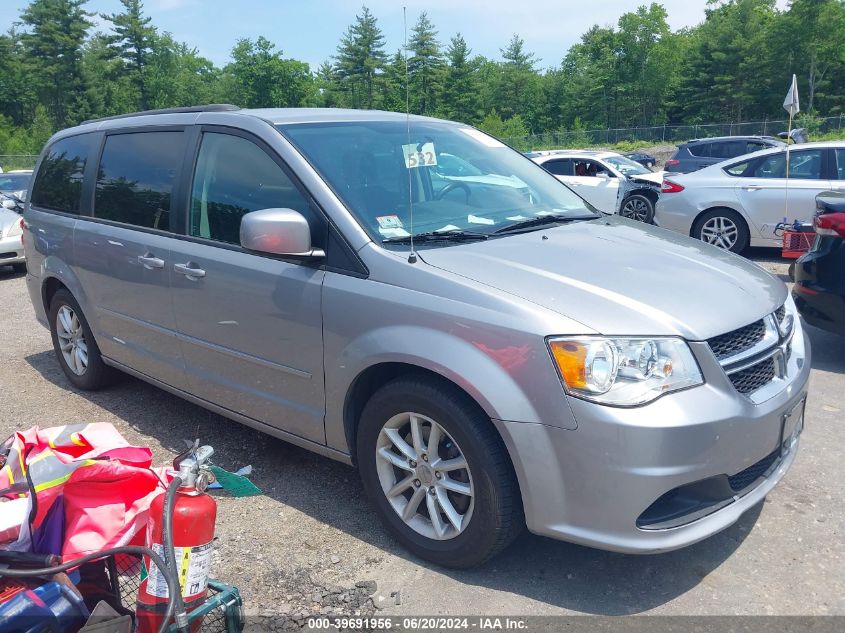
point(742, 238)
point(20, 269)
point(97, 374)
point(497, 516)
point(638, 207)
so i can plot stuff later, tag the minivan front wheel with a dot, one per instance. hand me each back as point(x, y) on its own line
point(438, 473)
point(74, 344)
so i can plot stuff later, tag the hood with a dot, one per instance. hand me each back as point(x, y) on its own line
point(654, 178)
point(621, 277)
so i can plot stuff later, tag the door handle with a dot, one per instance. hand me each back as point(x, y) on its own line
point(753, 188)
point(189, 271)
point(150, 261)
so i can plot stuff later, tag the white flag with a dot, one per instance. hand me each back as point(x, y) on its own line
point(790, 104)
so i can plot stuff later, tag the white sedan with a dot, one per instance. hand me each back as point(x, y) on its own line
point(739, 202)
point(609, 181)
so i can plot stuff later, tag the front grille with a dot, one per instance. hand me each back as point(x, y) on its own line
point(753, 378)
point(733, 343)
point(745, 478)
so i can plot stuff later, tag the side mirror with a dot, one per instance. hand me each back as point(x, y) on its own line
point(8, 203)
point(278, 232)
point(603, 174)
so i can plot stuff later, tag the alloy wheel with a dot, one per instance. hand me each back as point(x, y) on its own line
point(636, 209)
point(720, 231)
point(425, 476)
point(72, 342)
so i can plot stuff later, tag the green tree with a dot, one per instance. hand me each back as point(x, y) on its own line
point(425, 67)
point(360, 60)
point(53, 44)
point(133, 44)
point(177, 75)
point(517, 89)
point(460, 88)
point(260, 77)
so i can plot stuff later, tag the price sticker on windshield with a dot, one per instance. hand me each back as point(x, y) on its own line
point(419, 155)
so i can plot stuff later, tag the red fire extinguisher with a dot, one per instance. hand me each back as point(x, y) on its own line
point(193, 515)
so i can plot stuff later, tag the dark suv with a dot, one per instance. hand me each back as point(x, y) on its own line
point(703, 152)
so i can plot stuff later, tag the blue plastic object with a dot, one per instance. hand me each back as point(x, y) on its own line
point(51, 607)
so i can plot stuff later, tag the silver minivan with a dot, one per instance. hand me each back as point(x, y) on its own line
point(487, 349)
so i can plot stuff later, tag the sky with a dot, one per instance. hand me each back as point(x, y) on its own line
point(311, 30)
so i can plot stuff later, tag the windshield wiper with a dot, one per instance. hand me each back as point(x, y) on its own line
point(540, 221)
point(437, 236)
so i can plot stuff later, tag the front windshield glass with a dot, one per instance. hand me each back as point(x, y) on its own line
point(13, 182)
point(627, 166)
point(458, 178)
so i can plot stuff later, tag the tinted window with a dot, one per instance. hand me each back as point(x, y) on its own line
point(233, 177)
point(699, 149)
point(727, 149)
point(840, 164)
point(136, 176)
point(58, 185)
point(561, 167)
point(806, 164)
point(755, 146)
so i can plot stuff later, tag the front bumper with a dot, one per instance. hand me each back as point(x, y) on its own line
point(11, 251)
point(590, 485)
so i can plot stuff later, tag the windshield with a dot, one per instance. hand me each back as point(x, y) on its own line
point(458, 178)
point(14, 182)
point(627, 166)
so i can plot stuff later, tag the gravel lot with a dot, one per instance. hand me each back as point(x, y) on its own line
point(311, 542)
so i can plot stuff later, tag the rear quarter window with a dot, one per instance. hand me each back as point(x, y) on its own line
point(58, 184)
point(700, 150)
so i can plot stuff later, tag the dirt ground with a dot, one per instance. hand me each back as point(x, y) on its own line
point(311, 543)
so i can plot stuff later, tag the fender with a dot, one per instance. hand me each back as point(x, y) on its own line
point(471, 366)
point(53, 267)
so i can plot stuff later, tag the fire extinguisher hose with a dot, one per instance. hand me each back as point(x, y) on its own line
point(180, 615)
point(172, 580)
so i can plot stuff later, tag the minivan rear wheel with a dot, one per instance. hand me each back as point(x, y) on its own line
point(74, 344)
point(724, 228)
point(438, 473)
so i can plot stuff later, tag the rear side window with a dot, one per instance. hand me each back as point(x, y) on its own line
point(805, 164)
point(561, 167)
point(727, 149)
point(234, 177)
point(58, 185)
point(702, 150)
point(136, 176)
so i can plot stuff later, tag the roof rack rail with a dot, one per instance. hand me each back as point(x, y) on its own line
point(212, 107)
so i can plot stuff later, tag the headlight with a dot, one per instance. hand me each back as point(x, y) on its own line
point(624, 371)
point(16, 228)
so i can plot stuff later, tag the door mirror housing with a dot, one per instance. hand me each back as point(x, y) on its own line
point(603, 174)
point(278, 232)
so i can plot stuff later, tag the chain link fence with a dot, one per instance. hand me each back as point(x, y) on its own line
point(10, 162)
point(666, 134)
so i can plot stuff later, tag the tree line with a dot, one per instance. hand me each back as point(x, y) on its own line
point(56, 70)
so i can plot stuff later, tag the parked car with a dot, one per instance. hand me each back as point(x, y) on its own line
point(11, 233)
point(525, 360)
point(643, 158)
point(607, 180)
point(703, 152)
point(739, 203)
point(16, 182)
point(819, 289)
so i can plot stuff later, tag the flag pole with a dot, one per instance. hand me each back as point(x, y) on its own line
point(786, 187)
